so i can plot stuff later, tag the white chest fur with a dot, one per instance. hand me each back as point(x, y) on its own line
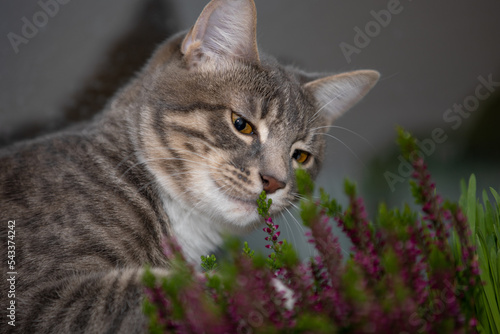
point(196, 233)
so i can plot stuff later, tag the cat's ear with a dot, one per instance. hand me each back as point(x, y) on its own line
point(338, 93)
point(225, 29)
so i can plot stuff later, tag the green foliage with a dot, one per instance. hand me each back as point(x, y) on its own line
point(178, 280)
point(349, 188)
point(209, 263)
point(284, 256)
point(390, 262)
point(333, 209)
point(314, 323)
point(305, 184)
point(260, 261)
point(289, 257)
point(232, 244)
point(263, 205)
point(247, 250)
point(484, 221)
point(352, 282)
point(396, 220)
point(148, 307)
point(308, 212)
point(309, 209)
point(406, 143)
point(416, 193)
point(148, 279)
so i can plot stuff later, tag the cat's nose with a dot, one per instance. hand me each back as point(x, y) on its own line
point(271, 184)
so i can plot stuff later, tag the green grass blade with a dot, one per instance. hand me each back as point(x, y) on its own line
point(471, 203)
point(489, 213)
point(494, 267)
point(495, 195)
point(496, 231)
point(480, 220)
point(491, 299)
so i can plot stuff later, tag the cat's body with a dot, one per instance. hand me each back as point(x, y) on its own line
point(183, 150)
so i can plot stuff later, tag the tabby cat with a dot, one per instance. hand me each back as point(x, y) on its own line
point(184, 149)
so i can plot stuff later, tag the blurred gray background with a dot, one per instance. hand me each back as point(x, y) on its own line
point(59, 64)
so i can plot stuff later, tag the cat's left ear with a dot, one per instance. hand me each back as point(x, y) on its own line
point(338, 93)
point(226, 29)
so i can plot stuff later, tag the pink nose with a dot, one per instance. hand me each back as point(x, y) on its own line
point(271, 184)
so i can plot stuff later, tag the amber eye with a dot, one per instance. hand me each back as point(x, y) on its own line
point(241, 124)
point(300, 156)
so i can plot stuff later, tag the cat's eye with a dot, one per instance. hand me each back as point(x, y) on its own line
point(241, 124)
point(300, 156)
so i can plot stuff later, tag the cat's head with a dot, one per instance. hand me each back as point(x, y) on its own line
point(220, 123)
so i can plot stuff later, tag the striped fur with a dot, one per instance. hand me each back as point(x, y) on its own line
point(92, 204)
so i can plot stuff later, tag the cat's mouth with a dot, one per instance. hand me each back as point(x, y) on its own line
point(244, 203)
point(239, 205)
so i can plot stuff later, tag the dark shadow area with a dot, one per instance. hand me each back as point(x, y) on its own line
point(483, 142)
point(154, 23)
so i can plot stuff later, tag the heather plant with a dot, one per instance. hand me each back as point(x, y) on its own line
point(408, 272)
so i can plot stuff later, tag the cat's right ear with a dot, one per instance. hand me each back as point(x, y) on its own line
point(225, 30)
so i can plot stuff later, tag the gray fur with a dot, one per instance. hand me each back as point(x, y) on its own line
point(92, 204)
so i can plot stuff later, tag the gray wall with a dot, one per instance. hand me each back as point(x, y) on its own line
point(430, 56)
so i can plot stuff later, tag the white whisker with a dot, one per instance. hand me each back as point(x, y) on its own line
point(301, 227)
point(347, 146)
point(295, 206)
point(345, 129)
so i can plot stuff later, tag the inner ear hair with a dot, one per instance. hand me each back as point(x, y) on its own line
point(225, 30)
point(338, 93)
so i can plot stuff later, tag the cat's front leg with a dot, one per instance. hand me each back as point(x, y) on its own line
point(100, 302)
